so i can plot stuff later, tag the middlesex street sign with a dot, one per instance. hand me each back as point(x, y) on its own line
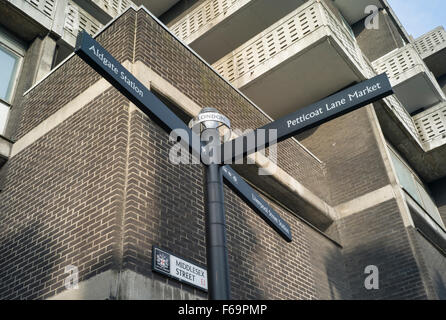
point(180, 269)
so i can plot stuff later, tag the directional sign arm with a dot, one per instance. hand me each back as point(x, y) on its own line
point(311, 116)
point(108, 67)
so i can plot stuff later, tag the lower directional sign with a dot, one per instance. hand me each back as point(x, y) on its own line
point(107, 66)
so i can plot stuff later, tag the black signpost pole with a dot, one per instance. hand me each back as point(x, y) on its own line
point(332, 107)
point(211, 120)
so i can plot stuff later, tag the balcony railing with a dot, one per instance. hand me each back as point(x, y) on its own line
point(431, 124)
point(394, 104)
point(77, 19)
point(216, 27)
point(282, 35)
point(398, 62)
point(431, 42)
point(47, 7)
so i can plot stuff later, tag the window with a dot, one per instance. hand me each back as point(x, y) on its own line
point(11, 53)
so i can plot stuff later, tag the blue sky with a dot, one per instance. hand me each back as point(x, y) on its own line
point(420, 16)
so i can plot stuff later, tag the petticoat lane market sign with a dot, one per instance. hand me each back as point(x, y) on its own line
point(180, 269)
point(311, 116)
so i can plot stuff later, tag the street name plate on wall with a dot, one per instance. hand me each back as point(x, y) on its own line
point(180, 269)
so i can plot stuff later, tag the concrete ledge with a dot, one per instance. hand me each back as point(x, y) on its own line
point(127, 285)
point(5, 150)
point(63, 113)
point(366, 201)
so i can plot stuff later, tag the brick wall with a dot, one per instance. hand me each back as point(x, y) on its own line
point(433, 265)
point(328, 268)
point(62, 202)
point(170, 215)
point(74, 77)
point(350, 151)
point(375, 236)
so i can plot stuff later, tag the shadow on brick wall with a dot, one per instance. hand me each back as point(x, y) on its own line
point(27, 265)
point(398, 273)
point(331, 279)
point(440, 286)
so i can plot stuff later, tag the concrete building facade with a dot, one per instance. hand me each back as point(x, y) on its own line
point(86, 180)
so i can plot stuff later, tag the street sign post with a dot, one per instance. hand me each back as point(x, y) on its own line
point(332, 107)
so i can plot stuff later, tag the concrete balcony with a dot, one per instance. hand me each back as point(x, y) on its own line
point(431, 125)
point(302, 58)
point(46, 7)
point(413, 83)
point(78, 19)
point(392, 115)
point(432, 49)
point(216, 27)
point(113, 7)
